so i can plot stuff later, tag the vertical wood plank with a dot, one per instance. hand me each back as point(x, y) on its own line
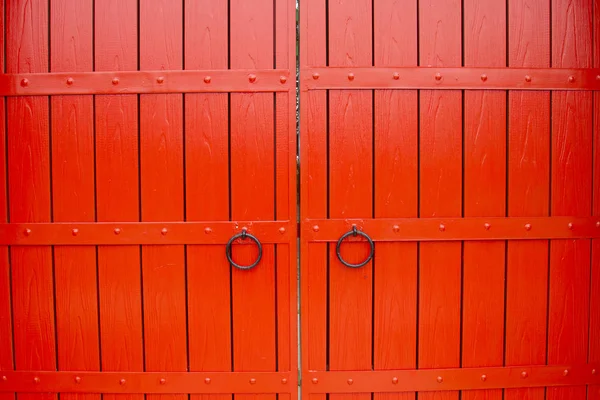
point(351, 188)
point(396, 193)
point(571, 194)
point(252, 190)
point(484, 192)
point(73, 192)
point(440, 191)
point(29, 192)
point(117, 191)
point(528, 193)
point(207, 194)
point(162, 184)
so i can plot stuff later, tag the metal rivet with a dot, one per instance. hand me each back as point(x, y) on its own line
point(283, 380)
point(570, 225)
point(487, 226)
point(282, 230)
point(207, 79)
point(252, 381)
point(442, 227)
point(27, 232)
point(598, 224)
point(117, 231)
point(70, 81)
point(252, 78)
point(440, 379)
point(524, 374)
point(350, 381)
point(350, 76)
point(25, 82)
point(75, 231)
point(565, 372)
point(162, 381)
point(528, 227)
point(283, 79)
point(396, 228)
point(484, 377)
point(4, 378)
point(122, 382)
point(316, 76)
point(315, 380)
point(396, 76)
point(207, 230)
point(164, 231)
point(36, 380)
point(77, 379)
point(527, 78)
point(115, 81)
point(395, 380)
point(316, 228)
point(438, 77)
point(593, 373)
point(160, 79)
point(598, 77)
point(571, 79)
point(207, 381)
point(483, 77)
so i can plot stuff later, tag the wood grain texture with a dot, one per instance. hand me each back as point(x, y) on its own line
point(73, 192)
point(162, 191)
point(207, 194)
point(253, 190)
point(484, 193)
point(396, 193)
point(568, 325)
point(528, 193)
point(440, 192)
point(117, 191)
point(350, 189)
point(29, 192)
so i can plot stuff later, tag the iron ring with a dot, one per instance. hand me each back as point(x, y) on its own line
point(355, 232)
point(244, 235)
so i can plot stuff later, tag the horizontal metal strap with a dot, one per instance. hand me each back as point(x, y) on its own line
point(146, 382)
point(128, 82)
point(450, 78)
point(447, 229)
point(450, 379)
point(138, 233)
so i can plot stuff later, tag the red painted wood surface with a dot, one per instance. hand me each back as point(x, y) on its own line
point(528, 193)
point(396, 194)
point(28, 160)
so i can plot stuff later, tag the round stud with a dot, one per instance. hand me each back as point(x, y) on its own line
point(350, 76)
point(117, 231)
point(207, 230)
point(122, 382)
point(395, 380)
point(315, 381)
point(164, 231)
point(570, 225)
point(283, 380)
point(438, 77)
point(527, 227)
point(252, 78)
point(565, 372)
point(75, 231)
point(160, 79)
point(483, 77)
point(350, 381)
point(598, 77)
point(162, 381)
point(440, 379)
point(484, 378)
point(571, 79)
point(396, 228)
point(207, 381)
point(207, 79)
point(25, 82)
point(282, 230)
point(283, 79)
point(252, 381)
point(487, 226)
point(524, 374)
point(598, 224)
point(36, 380)
point(27, 232)
point(594, 372)
point(70, 81)
point(77, 379)
point(527, 78)
point(4, 378)
point(315, 76)
point(316, 228)
point(396, 76)
point(442, 227)
point(115, 81)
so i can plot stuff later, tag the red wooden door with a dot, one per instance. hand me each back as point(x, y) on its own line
point(137, 138)
point(462, 137)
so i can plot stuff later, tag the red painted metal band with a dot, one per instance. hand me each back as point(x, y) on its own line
point(446, 229)
point(451, 78)
point(146, 382)
point(127, 82)
point(138, 233)
point(450, 379)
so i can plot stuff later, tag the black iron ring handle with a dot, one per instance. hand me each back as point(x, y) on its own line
point(244, 235)
point(355, 232)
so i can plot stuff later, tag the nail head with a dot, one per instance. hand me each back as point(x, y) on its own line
point(77, 379)
point(163, 381)
point(27, 232)
point(571, 79)
point(315, 75)
point(484, 377)
point(528, 227)
point(284, 381)
point(283, 79)
point(570, 225)
point(75, 231)
point(438, 77)
point(252, 381)
point(350, 381)
point(350, 76)
point(527, 78)
point(440, 379)
point(252, 78)
point(207, 381)
point(70, 81)
point(207, 79)
point(396, 228)
point(117, 231)
point(316, 228)
point(282, 230)
point(565, 372)
point(524, 374)
point(315, 380)
point(396, 76)
point(25, 82)
point(395, 380)
point(164, 231)
point(487, 226)
point(36, 380)
point(160, 79)
point(122, 382)
point(115, 81)
point(207, 230)
point(442, 227)
point(484, 77)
